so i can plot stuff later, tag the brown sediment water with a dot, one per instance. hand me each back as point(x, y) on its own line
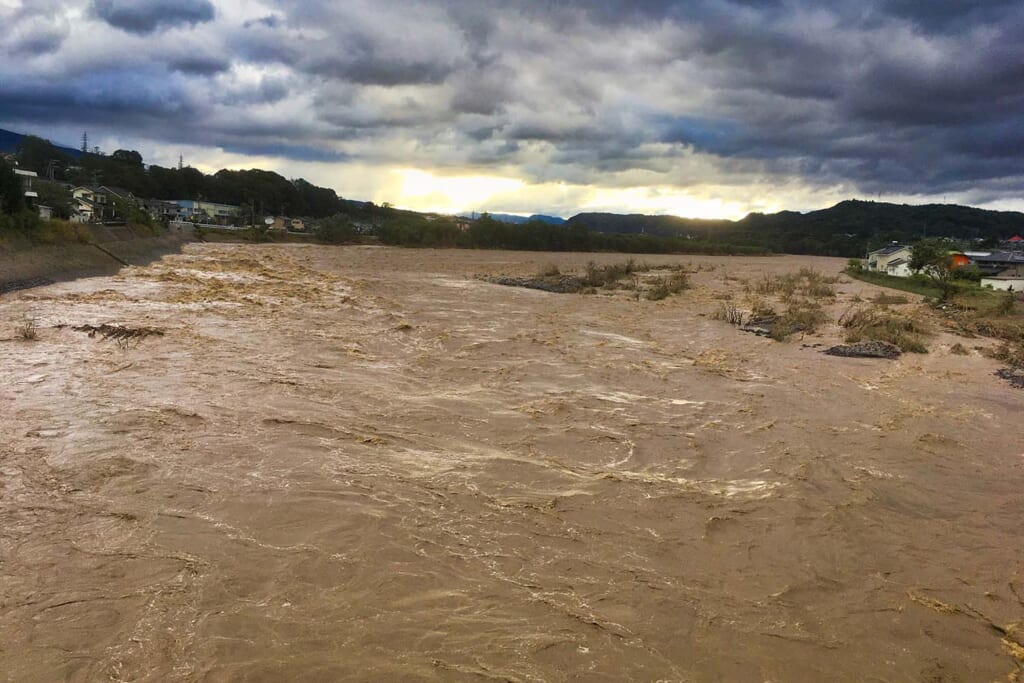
point(365, 463)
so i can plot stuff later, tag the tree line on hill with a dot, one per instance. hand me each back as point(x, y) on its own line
point(266, 191)
point(410, 229)
point(849, 229)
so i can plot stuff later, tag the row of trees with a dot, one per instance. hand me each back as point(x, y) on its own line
point(416, 230)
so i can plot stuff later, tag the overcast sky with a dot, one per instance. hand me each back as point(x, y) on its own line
point(706, 108)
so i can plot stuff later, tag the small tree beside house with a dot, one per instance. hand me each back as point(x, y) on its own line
point(932, 258)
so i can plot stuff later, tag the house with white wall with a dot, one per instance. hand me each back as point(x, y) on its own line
point(90, 203)
point(899, 267)
point(27, 179)
point(1008, 280)
point(880, 259)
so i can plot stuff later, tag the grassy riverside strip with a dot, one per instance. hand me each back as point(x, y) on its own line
point(904, 284)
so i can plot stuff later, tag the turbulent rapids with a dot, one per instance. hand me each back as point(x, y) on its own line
point(373, 464)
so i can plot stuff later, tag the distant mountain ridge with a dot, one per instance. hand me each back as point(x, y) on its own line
point(517, 220)
point(9, 141)
point(849, 228)
point(636, 223)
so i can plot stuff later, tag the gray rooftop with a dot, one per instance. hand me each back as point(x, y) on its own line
point(891, 249)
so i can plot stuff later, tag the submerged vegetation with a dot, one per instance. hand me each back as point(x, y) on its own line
point(780, 306)
point(806, 282)
point(965, 307)
point(641, 280)
point(803, 293)
point(880, 324)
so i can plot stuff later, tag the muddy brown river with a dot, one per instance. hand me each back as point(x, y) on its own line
point(366, 464)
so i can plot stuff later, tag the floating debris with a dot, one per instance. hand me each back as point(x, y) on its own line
point(120, 333)
point(565, 284)
point(870, 349)
point(762, 325)
point(1015, 376)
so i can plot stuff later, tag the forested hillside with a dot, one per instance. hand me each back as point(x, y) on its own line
point(849, 228)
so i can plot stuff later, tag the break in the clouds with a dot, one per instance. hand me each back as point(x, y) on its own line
point(710, 107)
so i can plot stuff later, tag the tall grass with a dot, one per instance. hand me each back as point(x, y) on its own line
point(730, 313)
point(799, 316)
point(1009, 353)
point(609, 275)
point(880, 324)
point(805, 282)
point(668, 285)
point(27, 329)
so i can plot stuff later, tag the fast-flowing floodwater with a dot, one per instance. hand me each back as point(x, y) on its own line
point(365, 464)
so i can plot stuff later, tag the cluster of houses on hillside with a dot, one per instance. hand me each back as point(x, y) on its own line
point(100, 204)
point(1002, 268)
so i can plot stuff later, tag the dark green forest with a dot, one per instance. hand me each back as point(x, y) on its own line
point(416, 230)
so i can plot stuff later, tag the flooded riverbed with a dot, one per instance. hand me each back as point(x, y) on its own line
point(365, 463)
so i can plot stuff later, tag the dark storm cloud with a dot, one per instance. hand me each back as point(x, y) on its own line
point(284, 150)
point(895, 96)
point(950, 14)
point(362, 66)
point(32, 31)
point(270, 21)
point(145, 16)
point(121, 95)
point(39, 42)
point(201, 65)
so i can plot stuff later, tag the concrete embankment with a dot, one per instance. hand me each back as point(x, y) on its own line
point(107, 249)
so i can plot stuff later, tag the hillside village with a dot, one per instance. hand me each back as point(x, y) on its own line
point(53, 198)
point(1000, 269)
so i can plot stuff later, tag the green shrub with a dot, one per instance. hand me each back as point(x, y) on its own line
point(335, 230)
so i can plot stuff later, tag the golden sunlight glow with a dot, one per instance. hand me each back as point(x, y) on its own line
point(668, 201)
point(424, 191)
